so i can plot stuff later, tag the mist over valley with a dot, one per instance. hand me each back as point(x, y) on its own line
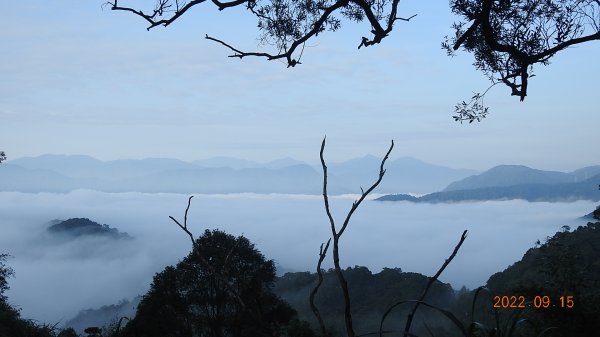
point(54, 279)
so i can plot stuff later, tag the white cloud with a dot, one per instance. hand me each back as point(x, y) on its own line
point(54, 281)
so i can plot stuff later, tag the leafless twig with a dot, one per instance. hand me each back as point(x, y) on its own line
point(184, 226)
point(336, 234)
point(425, 291)
point(313, 293)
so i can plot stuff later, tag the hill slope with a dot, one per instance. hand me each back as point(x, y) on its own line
point(565, 266)
point(560, 192)
point(76, 227)
point(512, 175)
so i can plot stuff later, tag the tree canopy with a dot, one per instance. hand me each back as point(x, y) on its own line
point(5, 273)
point(507, 38)
point(231, 298)
point(286, 24)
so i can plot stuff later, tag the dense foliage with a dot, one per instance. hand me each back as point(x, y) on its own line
point(5, 273)
point(566, 264)
point(371, 294)
point(507, 38)
point(222, 288)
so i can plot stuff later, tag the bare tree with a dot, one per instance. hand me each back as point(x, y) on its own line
point(337, 233)
point(507, 38)
point(285, 24)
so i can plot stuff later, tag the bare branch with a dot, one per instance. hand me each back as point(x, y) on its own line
point(406, 19)
point(162, 7)
point(313, 293)
point(325, 195)
point(240, 54)
point(430, 283)
point(184, 226)
point(337, 234)
point(368, 191)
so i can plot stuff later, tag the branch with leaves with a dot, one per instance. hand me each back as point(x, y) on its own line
point(285, 24)
point(508, 38)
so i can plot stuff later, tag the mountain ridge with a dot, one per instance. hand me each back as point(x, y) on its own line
point(560, 192)
point(511, 175)
point(285, 175)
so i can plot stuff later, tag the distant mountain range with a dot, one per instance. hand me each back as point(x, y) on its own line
point(405, 178)
point(516, 182)
point(62, 173)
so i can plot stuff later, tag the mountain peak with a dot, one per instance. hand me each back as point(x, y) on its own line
point(80, 227)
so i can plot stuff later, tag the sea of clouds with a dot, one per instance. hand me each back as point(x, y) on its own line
point(55, 279)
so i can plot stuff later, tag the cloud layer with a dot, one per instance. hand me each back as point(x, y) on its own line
point(54, 280)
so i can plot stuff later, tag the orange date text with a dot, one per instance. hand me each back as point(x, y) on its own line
point(538, 302)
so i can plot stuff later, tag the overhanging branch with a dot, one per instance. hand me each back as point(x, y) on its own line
point(290, 24)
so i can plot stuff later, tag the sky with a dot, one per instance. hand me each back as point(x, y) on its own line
point(78, 78)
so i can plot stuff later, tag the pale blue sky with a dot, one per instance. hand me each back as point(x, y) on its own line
point(79, 79)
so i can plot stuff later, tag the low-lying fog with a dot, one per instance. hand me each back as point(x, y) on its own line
point(54, 280)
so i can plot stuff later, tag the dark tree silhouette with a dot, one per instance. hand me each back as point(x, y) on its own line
point(190, 300)
point(2, 156)
point(5, 273)
point(336, 234)
point(285, 24)
point(507, 38)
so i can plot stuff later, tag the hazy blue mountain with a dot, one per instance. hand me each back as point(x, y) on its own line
point(78, 166)
point(61, 173)
point(583, 190)
point(17, 178)
point(585, 173)
point(238, 164)
point(510, 175)
point(294, 179)
point(402, 175)
point(230, 162)
point(74, 166)
point(78, 227)
point(283, 162)
point(125, 168)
